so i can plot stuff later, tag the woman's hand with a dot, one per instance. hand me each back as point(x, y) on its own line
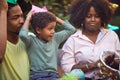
point(86, 67)
point(94, 65)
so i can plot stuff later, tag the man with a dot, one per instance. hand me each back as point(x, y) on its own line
point(14, 63)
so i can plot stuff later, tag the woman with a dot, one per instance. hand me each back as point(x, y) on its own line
point(83, 48)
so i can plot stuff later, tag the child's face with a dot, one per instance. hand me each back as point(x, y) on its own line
point(47, 33)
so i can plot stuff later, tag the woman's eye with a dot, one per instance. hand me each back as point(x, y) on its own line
point(97, 16)
point(88, 16)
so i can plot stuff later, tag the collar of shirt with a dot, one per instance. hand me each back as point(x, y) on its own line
point(82, 36)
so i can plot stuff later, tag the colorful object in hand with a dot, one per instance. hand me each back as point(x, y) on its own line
point(37, 9)
point(12, 1)
point(108, 70)
point(78, 73)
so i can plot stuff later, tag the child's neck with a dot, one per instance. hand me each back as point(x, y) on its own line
point(42, 39)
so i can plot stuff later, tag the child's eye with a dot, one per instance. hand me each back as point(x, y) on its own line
point(50, 28)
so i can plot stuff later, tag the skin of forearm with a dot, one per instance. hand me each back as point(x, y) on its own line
point(27, 21)
point(3, 33)
point(26, 24)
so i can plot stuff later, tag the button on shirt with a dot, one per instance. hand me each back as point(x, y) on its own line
point(80, 49)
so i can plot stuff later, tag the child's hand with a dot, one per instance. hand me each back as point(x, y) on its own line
point(27, 21)
point(3, 5)
point(29, 15)
point(60, 21)
point(51, 13)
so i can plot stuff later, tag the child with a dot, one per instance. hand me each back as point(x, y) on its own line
point(42, 48)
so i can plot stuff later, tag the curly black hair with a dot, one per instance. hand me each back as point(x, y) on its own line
point(80, 8)
point(42, 19)
point(10, 5)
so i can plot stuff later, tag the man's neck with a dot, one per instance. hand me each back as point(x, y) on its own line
point(12, 38)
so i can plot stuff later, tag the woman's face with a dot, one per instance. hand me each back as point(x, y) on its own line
point(92, 21)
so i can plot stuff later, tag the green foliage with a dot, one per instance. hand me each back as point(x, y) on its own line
point(58, 7)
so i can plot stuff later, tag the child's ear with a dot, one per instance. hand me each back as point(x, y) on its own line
point(38, 30)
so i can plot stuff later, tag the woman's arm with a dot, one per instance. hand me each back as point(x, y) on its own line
point(3, 28)
point(86, 67)
point(68, 59)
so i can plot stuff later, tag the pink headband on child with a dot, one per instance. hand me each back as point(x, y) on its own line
point(38, 9)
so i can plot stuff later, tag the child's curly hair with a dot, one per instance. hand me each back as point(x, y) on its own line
point(42, 19)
